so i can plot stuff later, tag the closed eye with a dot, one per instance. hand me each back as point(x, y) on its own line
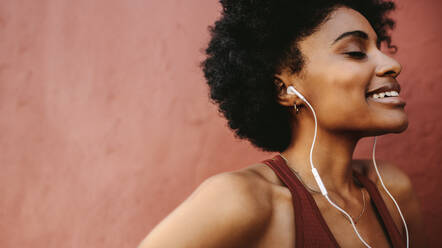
point(356, 55)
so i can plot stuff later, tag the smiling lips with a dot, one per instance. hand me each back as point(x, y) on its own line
point(385, 94)
point(388, 94)
point(388, 97)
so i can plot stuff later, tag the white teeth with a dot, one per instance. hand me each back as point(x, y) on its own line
point(384, 94)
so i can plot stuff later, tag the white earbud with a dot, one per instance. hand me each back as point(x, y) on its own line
point(292, 91)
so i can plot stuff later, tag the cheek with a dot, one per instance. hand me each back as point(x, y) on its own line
point(340, 92)
point(338, 96)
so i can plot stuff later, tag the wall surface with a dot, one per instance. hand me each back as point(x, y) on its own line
point(105, 123)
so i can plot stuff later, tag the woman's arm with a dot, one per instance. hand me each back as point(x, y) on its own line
point(224, 211)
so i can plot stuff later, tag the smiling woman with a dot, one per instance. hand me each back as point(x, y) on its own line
point(285, 73)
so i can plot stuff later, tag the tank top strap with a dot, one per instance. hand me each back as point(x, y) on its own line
point(393, 233)
point(311, 229)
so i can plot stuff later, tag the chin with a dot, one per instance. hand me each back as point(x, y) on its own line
point(400, 123)
point(400, 128)
point(397, 126)
point(394, 122)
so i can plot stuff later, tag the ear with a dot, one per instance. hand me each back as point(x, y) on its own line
point(282, 82)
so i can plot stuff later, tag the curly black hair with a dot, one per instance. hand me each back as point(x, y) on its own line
point(252, 41)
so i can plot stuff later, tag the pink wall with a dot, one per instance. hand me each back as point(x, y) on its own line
point(105, 124)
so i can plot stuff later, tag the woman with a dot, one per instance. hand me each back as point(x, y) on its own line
point(270, 66)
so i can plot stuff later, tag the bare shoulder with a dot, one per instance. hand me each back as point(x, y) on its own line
point(394, 178)
point(241, 191)
point(229, 209)
point(400, 186)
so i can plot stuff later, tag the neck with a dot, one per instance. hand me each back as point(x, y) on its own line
point(332, 157)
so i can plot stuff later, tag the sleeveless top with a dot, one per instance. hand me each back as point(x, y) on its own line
point(311, 229)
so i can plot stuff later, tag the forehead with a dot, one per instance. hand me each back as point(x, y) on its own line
point(342, 20)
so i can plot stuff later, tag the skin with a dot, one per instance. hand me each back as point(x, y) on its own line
point(251, 207)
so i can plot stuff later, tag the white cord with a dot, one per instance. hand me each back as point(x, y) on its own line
point(321, 184)
point(388, 192)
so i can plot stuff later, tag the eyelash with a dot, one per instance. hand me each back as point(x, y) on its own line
point(356, 55)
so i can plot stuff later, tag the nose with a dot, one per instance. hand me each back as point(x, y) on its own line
point(388, 66)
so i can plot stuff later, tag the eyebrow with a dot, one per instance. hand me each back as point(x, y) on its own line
point(356, 33)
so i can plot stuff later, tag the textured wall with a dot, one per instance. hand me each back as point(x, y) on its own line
point(105, 124)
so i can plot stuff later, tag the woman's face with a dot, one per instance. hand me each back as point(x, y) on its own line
point(343, 69)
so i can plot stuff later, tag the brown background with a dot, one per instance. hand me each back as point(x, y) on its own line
point(105, 123)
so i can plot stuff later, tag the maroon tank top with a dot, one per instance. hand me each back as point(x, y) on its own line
point(311, 229)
